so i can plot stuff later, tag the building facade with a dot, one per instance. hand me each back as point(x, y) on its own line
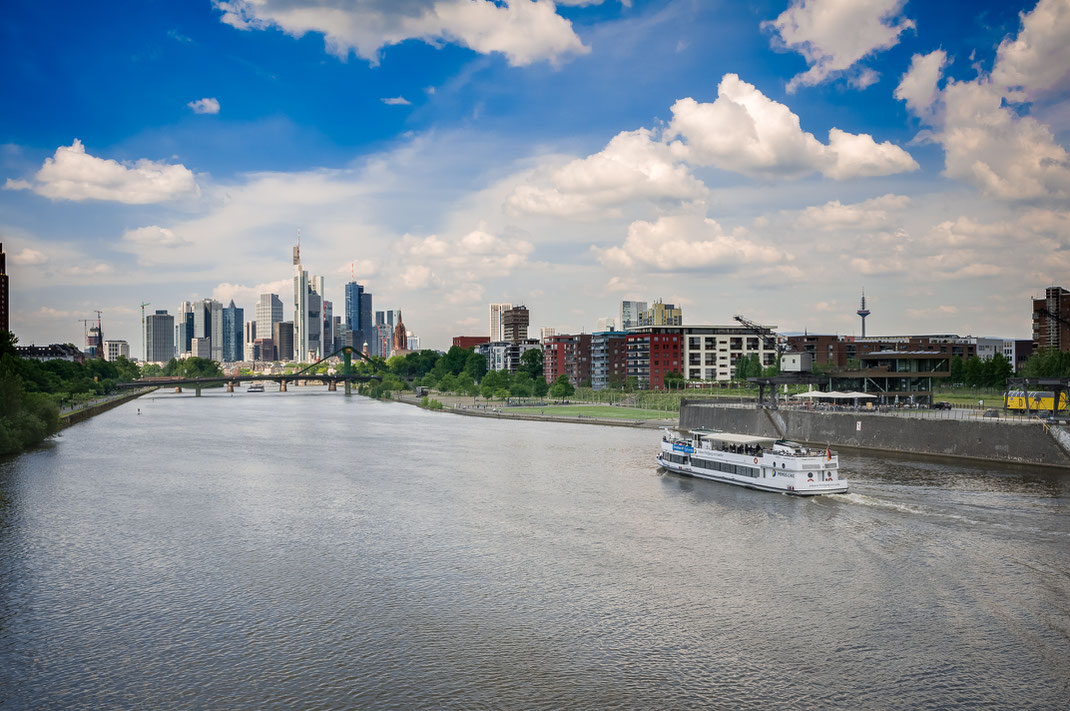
point(114, 349)
point(568, 355)
point(609, 359)
point(283, 339)
point(467, 342)
point(1051, 319)
point(712, 351)
point(515, 323)
point(159, 337)
point(496, 332)
point(629, 313)
point(233, 323)
point(268, 313)
point(503, 355)
point(661, 314)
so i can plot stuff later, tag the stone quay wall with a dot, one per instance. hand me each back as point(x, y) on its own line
point(1023, 443)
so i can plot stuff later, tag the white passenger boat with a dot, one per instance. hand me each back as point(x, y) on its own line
point(255, 388)
point(762, 463)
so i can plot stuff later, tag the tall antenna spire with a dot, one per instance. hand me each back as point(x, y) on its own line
point(297, 249)
point(863, 312)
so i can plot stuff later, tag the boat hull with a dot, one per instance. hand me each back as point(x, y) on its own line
point(808, 489)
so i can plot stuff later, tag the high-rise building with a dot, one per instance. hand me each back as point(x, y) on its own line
point(1051, 319)
point(208, 324)
point(233, 318)
point(308, 312)
point(4, 322)
point(250, 341)
point(94, 342)
point(114, 349)
point(661, 314)
point(283, 339)
point(183, 328)
point(629, 313)
point(413, 340)
point(547, 331)
point(568, 355)
point(359, 318)
point(515, 324)
point(497, 332)
point(328, 328)
point(201, 348)
point(159, 337)
point(609, 359)
point(607, 323)
point(268, 313)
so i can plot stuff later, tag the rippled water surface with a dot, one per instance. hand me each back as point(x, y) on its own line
point(311, 551)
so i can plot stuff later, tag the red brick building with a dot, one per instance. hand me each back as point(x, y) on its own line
point(570, 355)
point(1051, 319)
point(467, 342)
point(653, 353)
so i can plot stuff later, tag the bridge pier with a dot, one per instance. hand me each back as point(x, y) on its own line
point(230, 387)
point(332, 387)
point(349, 388)
point(178, 388)
point(282, 385)
point(198, 392)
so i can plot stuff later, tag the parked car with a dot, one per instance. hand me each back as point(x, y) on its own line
point(991, 413)
point(942, 405)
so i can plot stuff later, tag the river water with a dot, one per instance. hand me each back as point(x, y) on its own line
point(311, 551)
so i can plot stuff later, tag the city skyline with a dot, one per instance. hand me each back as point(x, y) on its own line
point(727, 159)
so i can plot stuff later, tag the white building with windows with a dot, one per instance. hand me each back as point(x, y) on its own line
point(711, 352)
point(114, 349)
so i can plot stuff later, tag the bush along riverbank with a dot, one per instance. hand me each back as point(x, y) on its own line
point(26, 418)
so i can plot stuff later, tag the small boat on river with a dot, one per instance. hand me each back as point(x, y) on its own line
point(764, 463)
point(255, 388)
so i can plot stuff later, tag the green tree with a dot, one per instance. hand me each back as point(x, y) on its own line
point(973, 372)
point(531, 363)
point(127, 369)
point(454, 360)
point(476, 366)
point(674, 380)
point(561, 387)
point(1000, 371)
point(958, 371)
point(540, 387)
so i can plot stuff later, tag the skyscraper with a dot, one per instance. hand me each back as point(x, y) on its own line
point(159, 337)
point(268, 313)
point(207, 324)
point(630, 312)
point(283, 338)
point(4, 323)
point(308, 311)
point(232, 333)
point(183, 329)
point(515, 324)
point(496, 311)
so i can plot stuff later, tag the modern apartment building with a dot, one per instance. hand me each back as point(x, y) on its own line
point(609, 358)
point(1051, 319)
point(503, 355)
point(661, 314)
point(695, 352)
point(568, 355)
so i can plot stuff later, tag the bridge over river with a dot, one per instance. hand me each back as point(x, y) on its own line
point(347, 376)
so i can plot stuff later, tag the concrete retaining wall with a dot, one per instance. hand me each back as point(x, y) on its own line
point(1020, 443)
point(70, 418)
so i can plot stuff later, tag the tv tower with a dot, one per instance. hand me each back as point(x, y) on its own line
point(863, 312)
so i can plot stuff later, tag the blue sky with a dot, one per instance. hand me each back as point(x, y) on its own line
point(453, 153)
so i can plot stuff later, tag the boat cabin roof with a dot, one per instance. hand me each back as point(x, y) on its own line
point(733, 438)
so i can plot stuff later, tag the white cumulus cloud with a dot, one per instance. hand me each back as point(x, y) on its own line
point(918, 87)
point(525, 31)
point(396, 101)
point(833, 35)
point(73, 174)
point(746, 132)
point(633, 166)
point(1038, 58)
point(206, 105)
point(153, 236)
point(685, 243)
point(869, 214)
point(29, 258)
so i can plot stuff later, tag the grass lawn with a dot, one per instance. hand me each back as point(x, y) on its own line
point(605, 411)
point(965, 396)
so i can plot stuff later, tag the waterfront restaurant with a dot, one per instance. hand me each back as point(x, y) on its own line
point(895, 377)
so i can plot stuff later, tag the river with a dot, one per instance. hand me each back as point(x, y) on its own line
point(311, 551)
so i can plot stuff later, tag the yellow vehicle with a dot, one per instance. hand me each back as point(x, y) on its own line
point(1034, 400)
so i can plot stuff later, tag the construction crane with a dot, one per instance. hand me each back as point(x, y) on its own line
point(763, 332)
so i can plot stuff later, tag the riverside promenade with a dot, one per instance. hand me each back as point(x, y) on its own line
point(469, 407)
point(1014, 440)
point(71, 415)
